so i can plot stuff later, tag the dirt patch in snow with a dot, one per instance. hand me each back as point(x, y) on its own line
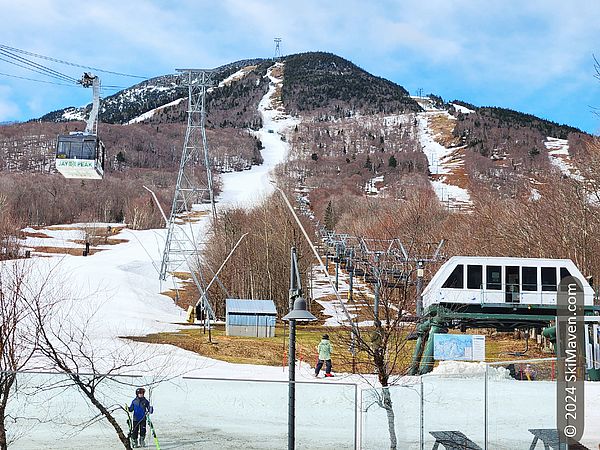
point(442, 127)
point(26, 234)
point(73, 251)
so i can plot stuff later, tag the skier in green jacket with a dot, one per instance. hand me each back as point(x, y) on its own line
point(325, 350)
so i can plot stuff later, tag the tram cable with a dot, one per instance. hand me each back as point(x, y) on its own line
point(56, 75)
point(36, 55)
point(107, 88)
point(33, 79)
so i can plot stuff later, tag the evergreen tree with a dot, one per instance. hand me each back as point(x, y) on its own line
point(392, 162)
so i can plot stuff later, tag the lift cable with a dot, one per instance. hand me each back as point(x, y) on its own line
point(5, 47)
point(104, 87)
point(33, 79)
point(27, 62)
point(40, 71)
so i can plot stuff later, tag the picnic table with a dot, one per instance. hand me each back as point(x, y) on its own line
point(549, 437)
point(453, 440)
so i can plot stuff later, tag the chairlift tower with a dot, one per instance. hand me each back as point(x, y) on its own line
point(180, 243)
point(277, 48)
point(382, 259)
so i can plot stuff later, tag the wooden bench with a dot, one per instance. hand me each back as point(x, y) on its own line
point(549, 437)
point(453, 440)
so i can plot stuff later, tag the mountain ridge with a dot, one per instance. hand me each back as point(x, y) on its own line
point(304, 69)
point(356, 133)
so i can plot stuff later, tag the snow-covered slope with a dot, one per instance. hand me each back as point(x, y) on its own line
point(148, 114)
point(152, 94)
point(247, 187)
point(558, 152)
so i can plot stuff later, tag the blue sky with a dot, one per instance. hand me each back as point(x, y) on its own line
point(533, 56)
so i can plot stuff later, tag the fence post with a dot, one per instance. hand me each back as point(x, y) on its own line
point(357, 417)
point(485, 407)
point(421, 417)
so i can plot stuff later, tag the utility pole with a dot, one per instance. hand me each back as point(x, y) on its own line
point(298, 313)
point(420, 274)
point(337, 266)
point(350, 266)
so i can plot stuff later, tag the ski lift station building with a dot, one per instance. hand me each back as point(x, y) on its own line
point(250, 317)
point(501, 281)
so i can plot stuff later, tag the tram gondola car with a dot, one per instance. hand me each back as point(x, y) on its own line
point(80, 155)
point(501, 281)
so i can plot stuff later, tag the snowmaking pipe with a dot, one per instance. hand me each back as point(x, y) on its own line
point(157, 204)
point(220, 268)
point(316, 253)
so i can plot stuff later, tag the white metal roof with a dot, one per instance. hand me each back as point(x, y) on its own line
point(236, 305)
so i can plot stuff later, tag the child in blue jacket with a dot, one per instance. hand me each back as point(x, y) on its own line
point(140, 407)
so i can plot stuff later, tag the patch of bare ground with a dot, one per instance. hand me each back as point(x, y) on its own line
point(442, 128)
point(273, 351)
point(277, 71)
point(191, 217)
point(97, 240)
point(93, 235)
point(74, 251)
point(504, 346)
point(276, 102)
point(186, 294)
point(251, 350)
point(26, 234)
point(458, 175)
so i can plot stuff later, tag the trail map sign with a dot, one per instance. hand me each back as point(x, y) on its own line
point(458, 347)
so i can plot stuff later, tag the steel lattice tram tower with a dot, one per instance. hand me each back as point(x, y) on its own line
point(277, 48)
point(180, 244)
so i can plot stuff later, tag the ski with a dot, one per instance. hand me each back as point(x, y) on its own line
point(151, 425)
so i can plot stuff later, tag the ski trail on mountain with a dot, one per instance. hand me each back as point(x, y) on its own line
point(444, 164)
point(249, 187)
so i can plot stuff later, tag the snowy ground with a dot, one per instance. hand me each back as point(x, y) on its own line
point(249, 187)
point(558, 152)
point(229, 406)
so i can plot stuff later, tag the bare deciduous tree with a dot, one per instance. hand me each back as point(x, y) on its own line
point(65, 340)
point(17, 333)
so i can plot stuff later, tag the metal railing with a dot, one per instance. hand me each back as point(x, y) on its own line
point(493, 405)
